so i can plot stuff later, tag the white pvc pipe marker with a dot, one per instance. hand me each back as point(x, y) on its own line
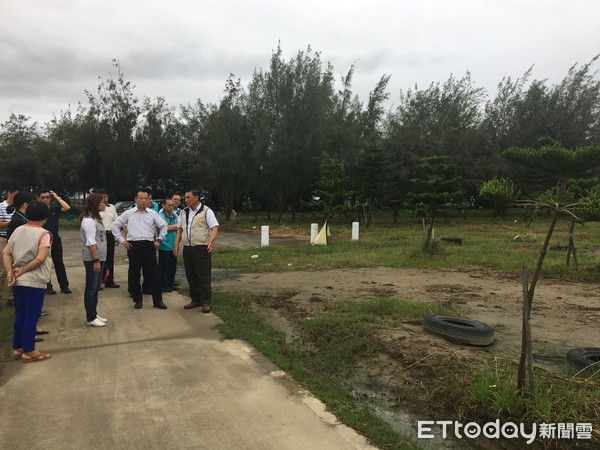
point(355, 231)
point(264, 236)
point(314, 230)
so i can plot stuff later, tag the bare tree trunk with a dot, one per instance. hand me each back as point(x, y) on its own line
point(525, 339)
point(571, 250)
point(541, 257)
point(427, 246)
point(369, 214)
point(526, 360)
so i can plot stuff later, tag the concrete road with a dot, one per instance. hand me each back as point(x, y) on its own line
point(153, 379)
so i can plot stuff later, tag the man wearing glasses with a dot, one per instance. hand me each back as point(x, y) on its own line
point(56, 251)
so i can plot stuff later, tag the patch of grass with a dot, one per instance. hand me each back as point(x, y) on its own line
point(7, 315)
point(390, 309)
point(310, 364)
point(339, 341)
point(63, 222)
point(557, 399)
point(488, 244)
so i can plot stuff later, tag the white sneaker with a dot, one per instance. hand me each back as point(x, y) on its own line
point(96, 323)
point(102, 319)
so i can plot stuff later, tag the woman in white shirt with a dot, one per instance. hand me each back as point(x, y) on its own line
point(93, 240)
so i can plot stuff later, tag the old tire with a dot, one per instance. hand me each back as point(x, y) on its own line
point(460, 330)
point(584, 358)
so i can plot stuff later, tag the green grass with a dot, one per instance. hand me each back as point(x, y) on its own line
point(487, 245)
point(64, 223)
point(557, 398)
point(387, 309)
point(7, 315)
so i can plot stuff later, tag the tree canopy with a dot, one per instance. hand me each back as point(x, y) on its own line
point(264, 144)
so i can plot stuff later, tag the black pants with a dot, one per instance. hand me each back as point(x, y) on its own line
point(56, 252)
point(142, 255)
point(110, 257)
point(167, 264)
point(198, 264)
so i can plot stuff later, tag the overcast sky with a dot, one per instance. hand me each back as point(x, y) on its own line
point(53, 50)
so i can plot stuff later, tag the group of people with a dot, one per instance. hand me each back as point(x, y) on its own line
point(31, 235)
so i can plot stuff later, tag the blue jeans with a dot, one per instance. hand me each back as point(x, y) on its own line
point(93, 280)
point(28, 307)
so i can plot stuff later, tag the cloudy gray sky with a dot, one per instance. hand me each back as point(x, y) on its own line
point(53, 50)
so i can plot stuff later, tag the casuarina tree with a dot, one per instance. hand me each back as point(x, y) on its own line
point(438, 185)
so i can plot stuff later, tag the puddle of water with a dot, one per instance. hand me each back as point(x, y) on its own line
point(373, 396)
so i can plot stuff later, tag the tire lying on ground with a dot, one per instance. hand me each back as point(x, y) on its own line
point(460, 330)
point(584, 358)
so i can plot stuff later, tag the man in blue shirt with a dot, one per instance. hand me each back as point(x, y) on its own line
point(167, 261)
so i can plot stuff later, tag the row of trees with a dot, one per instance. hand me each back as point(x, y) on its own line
point(273, 143)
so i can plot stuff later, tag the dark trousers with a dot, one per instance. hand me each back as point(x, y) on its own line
point(56, 251)
point(110, 257)
point(142, 256)
point(198, 264)
point(93, 280)
point(167, 264)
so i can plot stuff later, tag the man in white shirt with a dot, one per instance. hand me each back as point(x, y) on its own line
point(109, 215)
point(5, 217)
point(141, 244)
point(176, 203)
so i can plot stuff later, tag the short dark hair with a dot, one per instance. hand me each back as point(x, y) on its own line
point(101, 191)
point(142, 189)
point(195, 192)
point(168, 197)
point(22, 197)
point(37, 211)
point(41, 191)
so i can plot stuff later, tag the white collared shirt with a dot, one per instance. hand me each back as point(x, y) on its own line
point(109, 215)
point(211, 219)
point(140, 225)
